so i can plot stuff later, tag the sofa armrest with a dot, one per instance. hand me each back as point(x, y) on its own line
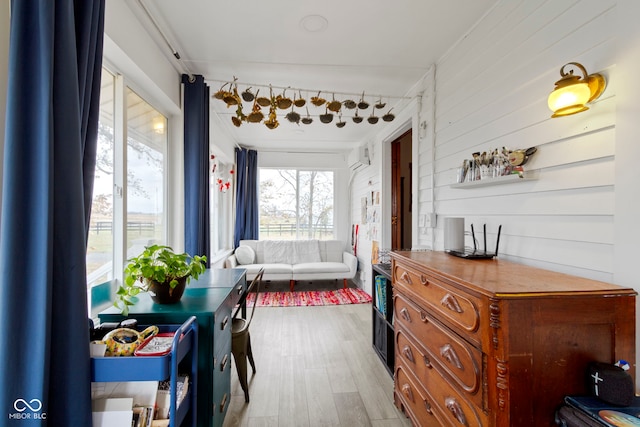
point(352, 263)
point(231, 262)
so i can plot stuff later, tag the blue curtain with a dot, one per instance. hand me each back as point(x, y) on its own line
point(246, 226)
point(196, 166)
point(241, 191)
point(251, 227)
point(55, 60)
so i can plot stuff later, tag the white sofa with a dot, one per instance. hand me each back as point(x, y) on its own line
point(294, 260)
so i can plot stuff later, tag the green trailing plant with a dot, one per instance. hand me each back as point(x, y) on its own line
point(159, 264)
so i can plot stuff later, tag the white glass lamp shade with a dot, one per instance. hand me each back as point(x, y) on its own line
point(569, 99)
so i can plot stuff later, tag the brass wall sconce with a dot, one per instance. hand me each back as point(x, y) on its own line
point(573, 92)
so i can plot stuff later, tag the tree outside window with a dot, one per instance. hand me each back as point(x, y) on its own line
point(296, 204)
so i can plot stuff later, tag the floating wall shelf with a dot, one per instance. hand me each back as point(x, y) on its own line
point(500, 180)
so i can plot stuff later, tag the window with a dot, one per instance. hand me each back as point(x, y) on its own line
point(296, 204)
point(221, 197)
point(143, 178)
point(146, 142)
point(100, 242)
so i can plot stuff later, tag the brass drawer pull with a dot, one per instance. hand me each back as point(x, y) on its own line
point(451, 303)
point(224, 323)
point(451, 356)
point(405, 277)
point(406, 389)
point(405, 314)
point(408, 354)
point(423, 317)
point(453, 406)
point(423, 280)
point(239, 289)
point(427, 407)
point(223, 402)
point(427, 362)
point(223, 364)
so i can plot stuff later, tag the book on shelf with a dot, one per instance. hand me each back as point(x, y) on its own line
point(163, 396)
point(381, 294)
point(142, 416)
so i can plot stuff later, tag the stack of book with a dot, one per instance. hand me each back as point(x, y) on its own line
point(135, 403)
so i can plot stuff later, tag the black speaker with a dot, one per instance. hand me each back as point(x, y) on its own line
point(610, 383)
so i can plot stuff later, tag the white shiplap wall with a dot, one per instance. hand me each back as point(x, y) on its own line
point(491, 91)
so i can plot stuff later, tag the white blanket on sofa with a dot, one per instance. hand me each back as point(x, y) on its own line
point(305, 251)
point(277, 252)
point(288, 252)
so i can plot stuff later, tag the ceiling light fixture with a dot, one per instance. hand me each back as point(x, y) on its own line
point(314, 23)
point(573, 92)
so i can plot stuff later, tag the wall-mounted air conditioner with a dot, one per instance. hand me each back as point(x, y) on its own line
point(358, 158)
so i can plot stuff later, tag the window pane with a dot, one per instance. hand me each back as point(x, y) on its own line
point(100, 243)
point(146, 145)
point(296, 204)
point(221, 193)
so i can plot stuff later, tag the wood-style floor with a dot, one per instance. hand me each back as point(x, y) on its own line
point(315, 367)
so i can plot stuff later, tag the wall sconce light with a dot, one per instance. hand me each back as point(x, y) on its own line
point(573, 92)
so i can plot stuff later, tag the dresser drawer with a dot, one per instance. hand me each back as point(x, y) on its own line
point(438, 347)
point(442, 399)
point(455, 306)
point(416, 400)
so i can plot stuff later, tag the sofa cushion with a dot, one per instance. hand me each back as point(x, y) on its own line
point(320, 267)
point(278, 251)
point(331, 250)
point(269, 268)
point(306, 251)
point(245, 255)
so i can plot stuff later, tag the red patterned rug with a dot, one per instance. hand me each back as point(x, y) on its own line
point(307, 298)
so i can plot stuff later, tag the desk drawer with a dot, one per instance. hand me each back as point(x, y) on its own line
point(438, 346)
point(459, 309)
point(221, 383)
point(222, 324)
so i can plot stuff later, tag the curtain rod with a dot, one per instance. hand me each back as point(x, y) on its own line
point(297, 89)
point(174, 52)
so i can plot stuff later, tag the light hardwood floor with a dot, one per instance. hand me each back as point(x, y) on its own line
point(315, 367)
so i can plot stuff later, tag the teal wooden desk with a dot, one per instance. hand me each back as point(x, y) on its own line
point(210, 299)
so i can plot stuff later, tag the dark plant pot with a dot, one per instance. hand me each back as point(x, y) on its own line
point(162, 293)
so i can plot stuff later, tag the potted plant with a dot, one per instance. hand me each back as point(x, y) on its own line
point(159, 271)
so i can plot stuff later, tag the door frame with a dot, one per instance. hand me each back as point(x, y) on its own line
point(385, 181)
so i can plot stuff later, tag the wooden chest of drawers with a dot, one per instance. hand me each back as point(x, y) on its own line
point(495, 343)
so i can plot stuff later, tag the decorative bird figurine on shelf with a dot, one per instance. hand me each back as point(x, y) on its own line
point(520, 157)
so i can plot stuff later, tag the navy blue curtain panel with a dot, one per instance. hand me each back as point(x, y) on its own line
point(241, 195)
point(247, 207)
point(251, 228)
point(196, 166)
point(55, 62)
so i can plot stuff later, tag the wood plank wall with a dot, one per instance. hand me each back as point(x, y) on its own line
point(490, 90)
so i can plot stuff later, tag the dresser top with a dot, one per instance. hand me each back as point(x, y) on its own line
point(495, 277)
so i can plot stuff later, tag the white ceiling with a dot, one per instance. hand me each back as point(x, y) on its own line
point(381, 48)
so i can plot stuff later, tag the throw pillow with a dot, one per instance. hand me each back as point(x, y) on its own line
point(245, 255)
